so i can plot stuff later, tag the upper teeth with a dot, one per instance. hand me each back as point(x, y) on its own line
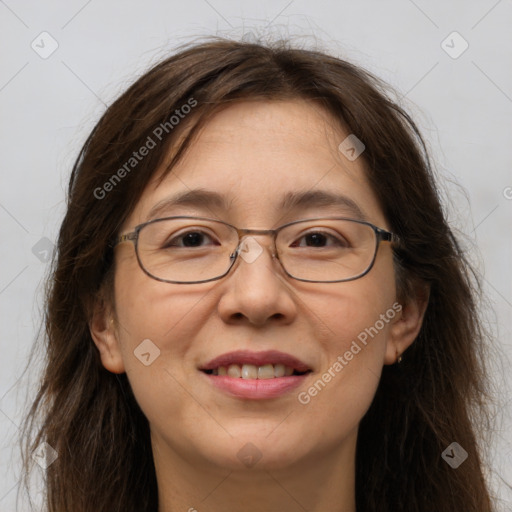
point(251, 371)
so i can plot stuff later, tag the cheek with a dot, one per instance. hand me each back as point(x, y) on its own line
point(164, 313)
point(157, 322)
point(355, 322)
point(348, 310)
point(153, 346)
point(342, 392)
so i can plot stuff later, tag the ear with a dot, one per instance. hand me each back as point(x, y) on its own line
point(104, 332)
point(407, 323)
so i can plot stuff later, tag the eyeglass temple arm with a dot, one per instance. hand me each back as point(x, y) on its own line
point(387, 236)
point(124, 238)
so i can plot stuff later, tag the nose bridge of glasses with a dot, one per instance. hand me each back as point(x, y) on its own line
point(244, 234)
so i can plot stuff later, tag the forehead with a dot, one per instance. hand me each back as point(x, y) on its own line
point(254, 162)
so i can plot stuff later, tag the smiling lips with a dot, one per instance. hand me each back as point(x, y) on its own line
point(243, 363)
point(251, 371)
point(256, 375)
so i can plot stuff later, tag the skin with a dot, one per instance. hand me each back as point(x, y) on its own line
point(254, 153)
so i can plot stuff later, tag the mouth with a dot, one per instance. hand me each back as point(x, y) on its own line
point(251, 371)
point(244, 364)
point(256, 375)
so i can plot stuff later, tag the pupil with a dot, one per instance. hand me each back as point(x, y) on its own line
point(315, 238)
point(192, 237)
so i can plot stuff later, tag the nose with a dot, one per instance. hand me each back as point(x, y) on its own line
point(257, 289)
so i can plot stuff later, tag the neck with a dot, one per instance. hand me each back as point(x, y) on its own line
point(323, 482)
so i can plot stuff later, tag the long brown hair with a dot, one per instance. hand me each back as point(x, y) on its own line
point(433, 398)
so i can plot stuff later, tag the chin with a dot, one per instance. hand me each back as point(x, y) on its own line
point(259, 451)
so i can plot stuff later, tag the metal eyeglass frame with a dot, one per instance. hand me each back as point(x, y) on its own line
point(381, 235)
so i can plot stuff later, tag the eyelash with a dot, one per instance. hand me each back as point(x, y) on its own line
point(170, 243)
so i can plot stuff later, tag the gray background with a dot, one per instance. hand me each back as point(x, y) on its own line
point(48, 105)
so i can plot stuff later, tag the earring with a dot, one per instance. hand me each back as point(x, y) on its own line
point(398, 357)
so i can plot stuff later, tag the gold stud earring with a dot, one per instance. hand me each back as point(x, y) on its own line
point(398, 357)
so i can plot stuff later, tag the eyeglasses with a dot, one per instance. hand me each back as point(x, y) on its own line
point(188, 250)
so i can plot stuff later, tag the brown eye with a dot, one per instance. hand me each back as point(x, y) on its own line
point(321, 239)
point(189, 239)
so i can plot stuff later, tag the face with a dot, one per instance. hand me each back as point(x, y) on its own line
point(253, 154)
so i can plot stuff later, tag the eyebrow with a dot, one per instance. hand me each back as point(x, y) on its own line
point(292, 201)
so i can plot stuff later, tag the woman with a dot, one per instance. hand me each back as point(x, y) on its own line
point(257, 303)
